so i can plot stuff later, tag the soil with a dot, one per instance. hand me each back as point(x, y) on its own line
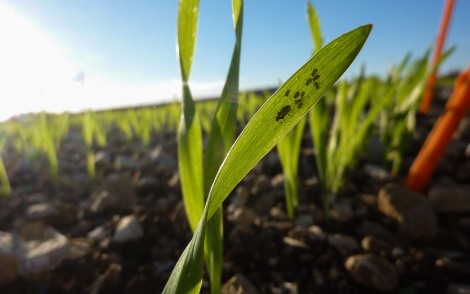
point(261, 244)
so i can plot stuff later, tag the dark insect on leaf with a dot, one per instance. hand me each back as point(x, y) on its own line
point(308, 82)
point(317, 85)
point(314, 72)
point(297, 94)
point(283, 112)
point(287, 92)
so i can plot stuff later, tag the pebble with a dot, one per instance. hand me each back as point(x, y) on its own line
point(116, 193)
point(342, 211)
point(376, 172)
point(244, 216)
point(106, 282)
point(450, 199)
point(43, 248)
point(304, 220)
point(375, 229)
point(40, 211)
point(98, 234)
point(414, 214)
point(239, 284)
point(345, 245)
point(128, 229)
point(146, 185)
point(458, 289)
point(316, 234)
point(454, 267)
point(375, 151)
point(375, 245)
point(372, 271)
point(9, 258)
point(239, 200)
point(262, 183)
point(294, 243)
point(124, 162)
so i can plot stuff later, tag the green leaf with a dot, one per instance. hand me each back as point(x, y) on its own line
point(219, 142)
point(280, 113)
point(275, 118)
point(190, 161)
point(315, 29)
point(188, 13)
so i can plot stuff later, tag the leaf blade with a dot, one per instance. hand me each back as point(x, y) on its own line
point(265, 125)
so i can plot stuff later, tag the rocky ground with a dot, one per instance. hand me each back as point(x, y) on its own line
point(124, 231)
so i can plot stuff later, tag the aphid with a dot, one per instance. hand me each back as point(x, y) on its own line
point(316, 77)
point(287, 92)
point(317, 85)
point(302, 94)
point(308, 82)
point(299, 102)
point(314, 72)
point(297, 94)
point(283, 112)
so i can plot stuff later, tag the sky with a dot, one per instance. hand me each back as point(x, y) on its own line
point(82, 54)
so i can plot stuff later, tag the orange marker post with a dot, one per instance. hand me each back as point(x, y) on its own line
point(429, 90)
point(436, 144)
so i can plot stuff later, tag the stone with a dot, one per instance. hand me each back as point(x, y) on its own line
point(342, 211)
point(103, 160)
point(458, 289)
point(239, 284)
point(98, 234)
point(239, 200)
point(163, 160)
point(375, 245)
point(372, 271)
point(345, 245)
point(128, 229)
point(107, 281)
point(316, 234)
point(375, 151)
point(304, 220)
point(147, 185)
point(376, 172)
point(9, 257)
point(124, 162)
point(115, 194)
point(367, 228)
point(414, 214)
point(262, 183)
point(450, 199)
point(453, 267)
point(244, 216)
point(43, 248)
point(294, 243)
point(40, 211)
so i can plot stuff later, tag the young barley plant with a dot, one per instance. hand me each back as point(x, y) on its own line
point(197, 172)
point(273, 121)
point(5, 188)
point(402, 91)
point(289, 147)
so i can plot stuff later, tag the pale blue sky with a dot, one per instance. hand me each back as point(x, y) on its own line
point(127, 49)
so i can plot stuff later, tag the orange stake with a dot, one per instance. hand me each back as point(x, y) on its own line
point(429, 90)
point(441, 134)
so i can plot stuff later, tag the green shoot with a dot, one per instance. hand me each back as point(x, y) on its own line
point(289, 147)
point(5, 189)
point(268, 126)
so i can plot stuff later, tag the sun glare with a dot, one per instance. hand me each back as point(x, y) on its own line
point(34, 71)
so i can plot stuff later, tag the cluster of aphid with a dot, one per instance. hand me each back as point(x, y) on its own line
point(298, 96)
